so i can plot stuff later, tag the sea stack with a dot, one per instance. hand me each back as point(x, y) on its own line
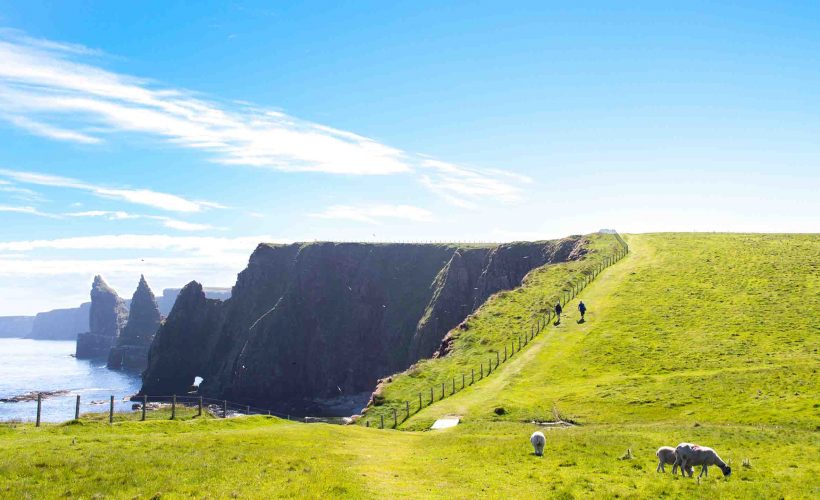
point(106, 317)
point(131, 349)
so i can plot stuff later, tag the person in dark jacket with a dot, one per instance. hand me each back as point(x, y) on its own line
point(558, 311)
point(582, 309)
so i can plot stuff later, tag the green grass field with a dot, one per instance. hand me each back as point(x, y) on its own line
point(709, 338)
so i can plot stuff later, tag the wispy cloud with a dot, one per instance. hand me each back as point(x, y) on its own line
point(46, 89)
point(168, 222)
point(374, 214)
point(201, 245)
point(146, 197)
point(25, 210)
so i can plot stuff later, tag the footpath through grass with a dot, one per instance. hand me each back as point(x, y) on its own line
point(693, 337)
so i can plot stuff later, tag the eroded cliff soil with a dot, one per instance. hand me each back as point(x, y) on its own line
point(308, 323)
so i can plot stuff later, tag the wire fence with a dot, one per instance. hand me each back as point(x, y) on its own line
point(175, 407)
point(398, 414)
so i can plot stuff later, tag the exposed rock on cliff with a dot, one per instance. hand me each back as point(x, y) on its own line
point(106, 317)
point(311, 322)
point(131, 349)
point(16, 326)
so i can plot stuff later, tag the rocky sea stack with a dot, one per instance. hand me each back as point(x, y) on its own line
point(313, 326)
point(106, 318)
point(131, 350)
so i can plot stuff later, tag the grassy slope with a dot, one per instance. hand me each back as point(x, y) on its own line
point(494, 326)
point(708, 338)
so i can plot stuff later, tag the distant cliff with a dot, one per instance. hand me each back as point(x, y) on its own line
point(105, 320)
point(310, 322)
point(61, 324)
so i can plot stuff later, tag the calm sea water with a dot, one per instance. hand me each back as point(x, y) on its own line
point(40, 365)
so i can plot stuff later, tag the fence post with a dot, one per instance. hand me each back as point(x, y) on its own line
point(472, 376)
point(482, 371)
point(462, 381)
point(395, 419)
point(39, 407)
point(454, 387)
point(144, 404)
point(249, 410)
point(505, 353)
point(382, 422)
point(199, 412)
point(367, 423)
point(442, 390)
point(431, 394)
point(77, 409)
point(224, 408)
point(419, 401)
point(111, 410)
point(498, 358)
point(173, 406)
point(407, 409)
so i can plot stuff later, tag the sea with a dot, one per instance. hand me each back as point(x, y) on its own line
point(49, 365)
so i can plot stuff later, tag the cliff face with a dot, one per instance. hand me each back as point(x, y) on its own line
point(310, 322)
point(61, 324)
point(131, 350)
point(105, 319)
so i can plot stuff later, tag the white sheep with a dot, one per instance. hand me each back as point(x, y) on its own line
point(538, 441)
point(666, 455)
point(689, 454)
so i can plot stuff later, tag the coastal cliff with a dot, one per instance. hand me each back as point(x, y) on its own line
point(308, 324)
point(131, 350)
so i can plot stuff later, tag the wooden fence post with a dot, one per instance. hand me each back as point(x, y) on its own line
point(249, 410)
point(144, 404)
point(395, 419)
point(497, 358)
point(173, 406)
point(505, 353)
point(77, 408)
point(224, 408)
point(420, 402)
point(407, 409)
point(454, 387)
point(462, 380)
point(482, 371)
point(431, 394)
point(111, 410)
point(472, 376)
point(442, 390)
point(39, 408)
point(367, 423)
point(382, 422)
point(199, 411)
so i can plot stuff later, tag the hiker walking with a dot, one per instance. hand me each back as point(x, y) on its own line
point(558, 310)
point(582, 309)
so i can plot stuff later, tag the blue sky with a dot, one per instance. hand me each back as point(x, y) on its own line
point(168, 138)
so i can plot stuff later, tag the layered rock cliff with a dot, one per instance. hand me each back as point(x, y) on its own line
point(106, 318)
point(61, 324)
point(309, 322)
point(131, 349)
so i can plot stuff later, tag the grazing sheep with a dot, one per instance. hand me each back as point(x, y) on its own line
point(538, 441)
point(689, 454)
point(666, 455)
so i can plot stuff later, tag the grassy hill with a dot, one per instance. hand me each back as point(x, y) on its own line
point(709, 338)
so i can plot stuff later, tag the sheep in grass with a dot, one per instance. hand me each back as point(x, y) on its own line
point(666, 455)
point(538, 441)
point(689, 455)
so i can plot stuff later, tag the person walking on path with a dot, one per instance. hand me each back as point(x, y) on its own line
point(558, 311)
point(582, 309)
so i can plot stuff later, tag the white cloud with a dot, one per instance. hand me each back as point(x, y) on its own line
point(164, 201)
point(201, 245)
point(45, 130)
point(25, 210)
point(177, 224)
point(44, 89)
point(372, 214)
